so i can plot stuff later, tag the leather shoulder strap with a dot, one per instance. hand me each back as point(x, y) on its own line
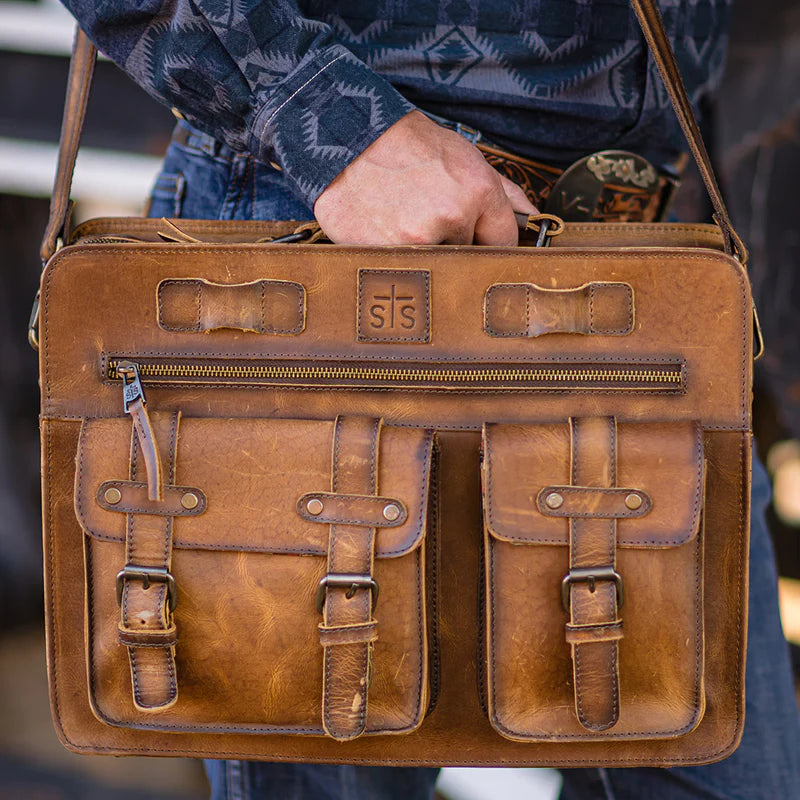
point(82, 68)
point(655, 35)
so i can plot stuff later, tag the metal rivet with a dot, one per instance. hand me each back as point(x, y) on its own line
point(314, 506)
point(633, 501)
point(190, 500)
point(391, 512)
point(554, 500)
point(112, 496)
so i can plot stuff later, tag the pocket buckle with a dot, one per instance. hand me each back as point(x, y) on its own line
point(351, 582)
point(591, 575)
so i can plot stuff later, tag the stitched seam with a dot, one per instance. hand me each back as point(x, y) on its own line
point(373, 476)
point(254, 196)
point(611, 331)
point(135, 645)
point(198, 327)
point(591, 490)
point(199, 305)
point(235, 187)
point(362, 337)
point(527, 310)
point(129, 547)
point(169, 652)
point(91, 226)
point(361, 522)
point(120, 507)
point(378, 522)
point(541, 358)
point(489, 328)
point(326, 712)
point(263, 306)
point(300, 89)
point(624, 542)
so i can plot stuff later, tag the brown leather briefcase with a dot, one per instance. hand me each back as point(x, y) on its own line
point(410, 505)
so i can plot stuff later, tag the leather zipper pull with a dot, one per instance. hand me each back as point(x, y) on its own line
point(135, 404)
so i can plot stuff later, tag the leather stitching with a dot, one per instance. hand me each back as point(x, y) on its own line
point(426, 277)
point(698, 460)
point(200, 284)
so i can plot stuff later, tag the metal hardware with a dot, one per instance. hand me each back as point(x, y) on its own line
point(633, 501)
point(542, 239)
point(292, 238)
point(554, 500)
point(591, 575)
point(314, 506)
point(148, 575)
point(112, 495)
point(391, 512)
point(190, 500)
point(346, 581)
point(578, 192)
point(548, 226)
point(33, 323)
point(758, 335)
point(132, 390)
point(622, 167)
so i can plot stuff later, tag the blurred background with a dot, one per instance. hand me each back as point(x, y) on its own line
point(755, 128)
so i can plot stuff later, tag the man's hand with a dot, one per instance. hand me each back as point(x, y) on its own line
point(419, 183)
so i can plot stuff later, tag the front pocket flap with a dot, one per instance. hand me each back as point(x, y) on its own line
point(529, 495)
point(252, 473)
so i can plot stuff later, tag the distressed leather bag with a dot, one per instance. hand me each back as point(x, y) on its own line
point(410, 505)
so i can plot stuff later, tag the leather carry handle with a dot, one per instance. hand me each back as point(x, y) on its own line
point(82, 68)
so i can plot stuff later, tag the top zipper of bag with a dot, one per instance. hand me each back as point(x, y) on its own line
point(668, 377)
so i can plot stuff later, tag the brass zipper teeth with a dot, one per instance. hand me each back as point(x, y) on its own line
point(394, 374)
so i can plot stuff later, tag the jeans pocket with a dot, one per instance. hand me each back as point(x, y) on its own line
point(166, 197)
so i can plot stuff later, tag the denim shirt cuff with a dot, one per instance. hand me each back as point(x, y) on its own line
point(330, 110)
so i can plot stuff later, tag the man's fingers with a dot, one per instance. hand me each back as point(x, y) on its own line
point(419, 183)
point(517, 197)
point(497, 225)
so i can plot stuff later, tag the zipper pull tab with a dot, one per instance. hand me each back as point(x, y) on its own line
point(134, 403)
point(131, 384)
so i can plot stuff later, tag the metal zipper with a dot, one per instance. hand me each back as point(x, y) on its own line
point(109, 239)
point(370, 375)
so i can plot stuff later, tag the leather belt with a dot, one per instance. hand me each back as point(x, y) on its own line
point(607, 186)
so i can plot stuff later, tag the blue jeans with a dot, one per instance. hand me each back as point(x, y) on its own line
point(206, 180)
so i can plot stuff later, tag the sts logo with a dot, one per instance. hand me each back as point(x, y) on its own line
point(393, 305)
point(393, 309)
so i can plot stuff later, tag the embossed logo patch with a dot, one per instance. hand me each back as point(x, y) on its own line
point(394, 305)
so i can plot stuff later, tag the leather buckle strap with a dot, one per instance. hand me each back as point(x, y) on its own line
point(146, 589)
point(592, 593)
point(148, 575)
point(350, 582)
point(591, 575)
point(607, 186)
point(348, 630)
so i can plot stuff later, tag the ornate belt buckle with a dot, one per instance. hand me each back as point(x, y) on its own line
point(578, 194)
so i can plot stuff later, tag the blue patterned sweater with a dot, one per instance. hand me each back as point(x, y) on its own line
point(309, 84)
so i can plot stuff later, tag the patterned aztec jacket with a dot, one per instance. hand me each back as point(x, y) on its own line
point(309, 84)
